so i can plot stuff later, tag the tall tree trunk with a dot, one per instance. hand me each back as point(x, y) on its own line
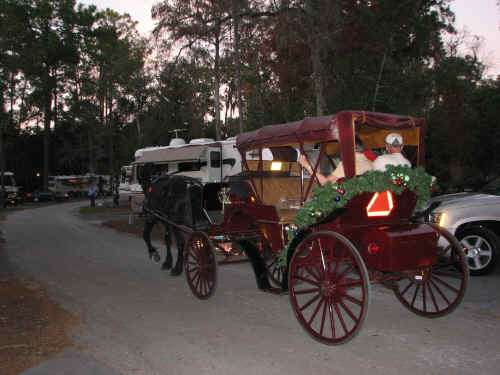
point(379, 79)
point(318, 78)
point(46, 138)
point(111, 141)
point(387, 51)
point(2, 154)
point(236, 31)
point(217, 88)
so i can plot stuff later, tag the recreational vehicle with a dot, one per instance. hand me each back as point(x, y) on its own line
point(78, 185)
point(10, 189)
point(202, 158)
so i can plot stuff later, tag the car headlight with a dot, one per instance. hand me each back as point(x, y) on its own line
point(439, 218)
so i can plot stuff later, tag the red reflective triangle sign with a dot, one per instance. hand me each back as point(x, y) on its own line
point(381, 204)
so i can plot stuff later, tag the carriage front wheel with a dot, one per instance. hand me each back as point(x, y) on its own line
point(436, 290)
point(200, 265)
point(329, 287)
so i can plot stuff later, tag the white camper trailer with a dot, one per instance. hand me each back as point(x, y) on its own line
point(10, 189)
point(202, 158)
point(78, 185)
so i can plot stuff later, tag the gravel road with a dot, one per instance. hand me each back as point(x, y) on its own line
point(140, 320)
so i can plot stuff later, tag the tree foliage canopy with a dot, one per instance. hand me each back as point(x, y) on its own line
point(84, 86)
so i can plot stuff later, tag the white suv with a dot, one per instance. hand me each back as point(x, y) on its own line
point(474, 218)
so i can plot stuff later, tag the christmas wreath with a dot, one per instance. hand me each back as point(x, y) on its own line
point(329, 197)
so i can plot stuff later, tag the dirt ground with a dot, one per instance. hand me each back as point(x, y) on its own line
point(34, 328)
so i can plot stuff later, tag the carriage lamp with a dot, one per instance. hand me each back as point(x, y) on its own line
point(381, 204)
point(276, 166)
point(439, 218)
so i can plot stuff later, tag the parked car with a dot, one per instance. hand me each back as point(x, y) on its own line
point(474, 218)
point(41, 196)
point(12, 199)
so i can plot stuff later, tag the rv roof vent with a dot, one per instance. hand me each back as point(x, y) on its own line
point(199, 141)
point(177, 142)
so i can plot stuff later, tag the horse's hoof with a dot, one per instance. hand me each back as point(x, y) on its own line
point(165, 266)
point(175, 272)
point(155, 257)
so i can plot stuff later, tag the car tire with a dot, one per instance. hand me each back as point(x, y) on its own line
point(483, 246)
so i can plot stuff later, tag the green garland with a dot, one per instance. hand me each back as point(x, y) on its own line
point(329, 197)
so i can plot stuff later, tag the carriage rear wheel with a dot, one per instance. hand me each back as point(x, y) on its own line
point(329, 287)
point(436, 290)
point(200, 265)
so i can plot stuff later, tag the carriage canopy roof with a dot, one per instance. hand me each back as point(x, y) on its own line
point(371, 127)
point(334, 128)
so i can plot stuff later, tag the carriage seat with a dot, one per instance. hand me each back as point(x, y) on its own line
point(283, 193)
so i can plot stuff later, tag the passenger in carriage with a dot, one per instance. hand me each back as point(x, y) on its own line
point(394, 146)
point(363, 164)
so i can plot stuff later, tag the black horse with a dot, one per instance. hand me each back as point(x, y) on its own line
point(175, 201)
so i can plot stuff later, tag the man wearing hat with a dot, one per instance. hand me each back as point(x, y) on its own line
point(394, 146)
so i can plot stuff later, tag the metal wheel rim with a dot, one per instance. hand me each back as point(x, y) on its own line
point(436, 290)
point(478, 249)
point(200, 265)
point(330, 299)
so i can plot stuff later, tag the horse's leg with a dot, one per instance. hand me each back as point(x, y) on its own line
point(167, 264)
point(180, 242)
point(146, 235)
point(258, 264)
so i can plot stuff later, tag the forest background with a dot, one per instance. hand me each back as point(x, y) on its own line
point(81, 89)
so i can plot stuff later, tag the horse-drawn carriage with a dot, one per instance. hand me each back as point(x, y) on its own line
point(323, 245)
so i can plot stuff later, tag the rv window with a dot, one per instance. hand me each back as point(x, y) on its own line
point(229, 161)
point(215, 159)
point(191, 166)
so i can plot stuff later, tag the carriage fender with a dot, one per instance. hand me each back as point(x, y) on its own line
point(400, 247)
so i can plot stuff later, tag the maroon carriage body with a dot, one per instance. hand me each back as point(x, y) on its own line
point(387, 243)
point(395, 243)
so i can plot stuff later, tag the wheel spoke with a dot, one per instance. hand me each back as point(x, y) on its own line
point(351, 284)
point(307, 291)
point(323, 318)
point(415, 295)
point(305, 279)
point(443, 296)
point(197, 280)
point(311, 301)
point(193, 264)
point(332, 319)
point(352, 299)
point(451, 287)
point(335, 271)
point(341, 318)
point(346, 271)
point(312, 272)
point(424, 299)
point(348, 311)
point(315, 312)
point(434, 302)
point(407, 288)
